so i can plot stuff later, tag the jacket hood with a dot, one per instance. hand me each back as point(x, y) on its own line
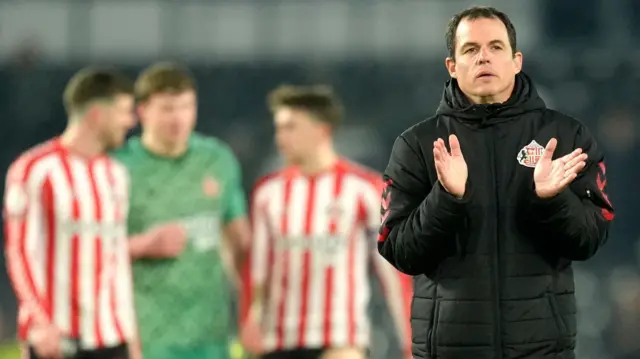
point(524, 99)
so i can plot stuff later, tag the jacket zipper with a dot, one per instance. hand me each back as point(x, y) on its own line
point(496, 248)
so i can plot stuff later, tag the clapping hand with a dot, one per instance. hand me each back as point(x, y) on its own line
point(450, 166)
point(553, 176)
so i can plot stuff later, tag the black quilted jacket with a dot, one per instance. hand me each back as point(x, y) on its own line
point(493, 277)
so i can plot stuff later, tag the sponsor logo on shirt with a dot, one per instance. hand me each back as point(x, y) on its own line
point(334, 211)
point(93, 229)
point(327, 245)
point(204, 231)
point(210, 187)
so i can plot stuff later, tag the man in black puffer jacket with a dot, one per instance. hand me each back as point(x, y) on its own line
point(490, 224)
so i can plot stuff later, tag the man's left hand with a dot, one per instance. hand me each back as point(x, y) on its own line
point(553, 176)
point(135, 351)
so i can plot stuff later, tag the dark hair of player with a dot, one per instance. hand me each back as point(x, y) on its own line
point(478, 12)
point(90, 85)
point(320, 101)
point(163, 77)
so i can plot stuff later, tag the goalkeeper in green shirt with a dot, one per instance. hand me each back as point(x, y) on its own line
point(188, 222)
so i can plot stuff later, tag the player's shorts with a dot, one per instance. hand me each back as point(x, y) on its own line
point(213, 351)
point(315, 353)
point(118, 352)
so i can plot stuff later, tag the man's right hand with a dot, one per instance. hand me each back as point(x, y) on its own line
point(164, 241)
point(46, 341)
point(450, 166)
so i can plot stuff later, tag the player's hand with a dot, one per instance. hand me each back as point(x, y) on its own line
point(46, 341)
point(251, 334)
point(251, 337)
point(553, 176)
point(167, 241)
point(164, 241)
point(24, 351)
point(135, 352)
point(450, 166)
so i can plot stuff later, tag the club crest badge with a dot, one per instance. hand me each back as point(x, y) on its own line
point(210, 187)
point(16, 200)
point(530, 154)
point(334, 211)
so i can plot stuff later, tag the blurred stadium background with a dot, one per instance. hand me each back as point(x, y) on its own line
point(384, 58)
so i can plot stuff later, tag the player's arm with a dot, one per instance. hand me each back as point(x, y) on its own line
point(237, 230)
point(125, 295)
point(255, 273)
point(124, 283)
point(398, 291)
point(396, 286)
point(25, 202)
point(256, 268)
point(138, 245)
point(575, 223)
point(419, 220)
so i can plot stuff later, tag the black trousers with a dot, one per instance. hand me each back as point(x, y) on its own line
point(295, 354)
point(117, 352)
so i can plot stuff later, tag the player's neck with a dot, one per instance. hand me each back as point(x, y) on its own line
point(323, 160)
point(159, 148)
point(81, 141)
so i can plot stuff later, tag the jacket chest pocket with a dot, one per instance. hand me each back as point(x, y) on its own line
point(432, 335)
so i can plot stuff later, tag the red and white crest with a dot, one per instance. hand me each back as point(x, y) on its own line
point(335, 211)
point(530, 154)
point(210, 187)
point(16, 199)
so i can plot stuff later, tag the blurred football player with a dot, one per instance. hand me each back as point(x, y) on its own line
point(187, 209)
point(315, 229)
point(65, 213)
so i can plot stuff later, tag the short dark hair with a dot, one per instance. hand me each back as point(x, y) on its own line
point(89, 85)
point(163, 77)
point(478, 12)
point(319, 100)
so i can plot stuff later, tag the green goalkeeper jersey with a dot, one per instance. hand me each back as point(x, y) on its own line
point(184, 302)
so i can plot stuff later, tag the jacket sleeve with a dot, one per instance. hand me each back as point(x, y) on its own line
point(575, 223)
point(419, 219)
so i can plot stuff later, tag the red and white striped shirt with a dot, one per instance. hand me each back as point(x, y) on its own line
point(314, 239)
point(66, 245)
